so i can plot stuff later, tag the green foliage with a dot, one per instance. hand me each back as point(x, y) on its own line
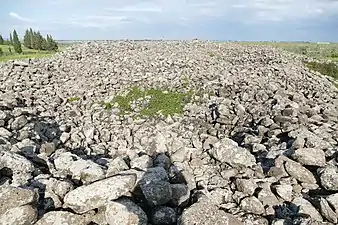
point(10, 39)
point(73, 99)
point(10, 50)
point(160, 101)
point(106, 105)
point(16, 42)
point(2, 41)
point(1, 52)
point(34, 40)
point(328, 69)
point(27, 40)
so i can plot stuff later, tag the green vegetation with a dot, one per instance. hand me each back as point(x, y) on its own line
point(106, 105)
point(34, 40)
point(314, 50)
point(16, 42)
point(73, 99)
point(328, 69)
point(157, 102)
point(34, 46)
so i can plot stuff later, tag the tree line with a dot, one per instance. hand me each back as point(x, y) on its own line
point(31, 40)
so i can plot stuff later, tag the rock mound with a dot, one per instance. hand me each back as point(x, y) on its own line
point(167, 133)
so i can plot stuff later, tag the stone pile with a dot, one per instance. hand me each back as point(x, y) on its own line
point(257, 144)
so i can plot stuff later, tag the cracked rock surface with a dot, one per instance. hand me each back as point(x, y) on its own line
point(256, 143)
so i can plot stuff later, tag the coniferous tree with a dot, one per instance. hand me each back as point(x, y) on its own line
point(16, 43)
point(52, 45)
point(27, 39)
point(1, 40)
point(10, 50)
point(1, 52)
point(31, 35)
point(10, 39)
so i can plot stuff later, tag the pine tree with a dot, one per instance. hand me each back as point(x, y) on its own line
point(10, 50)
point(10, 39)
point(16, 43)
point(27, 39)
point(52, 45)
point(1, 52)
point(1, 40)
point(31, 35)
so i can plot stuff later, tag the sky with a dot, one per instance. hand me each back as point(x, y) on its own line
point(241, 20)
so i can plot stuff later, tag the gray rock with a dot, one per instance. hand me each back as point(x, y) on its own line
point(5, 133)
point(97, 194)
point(142, 162)
point(252, 205)
point(21, 167)
point(333, 200)
point(21, 215)
point(156, 192)
point(299, 172)
point(329, 178)
point(327, 212)
point(161, 160)
point(180, 194)
point(48, 148)
point(125, 212)
point(164, 215)
point(61, 217)
point(206, 213)
point(284, 191)
point(19, 122)
point(310, 156)
point(115, 166)
point(87, 171)
point(267, 197)
point(247, 186)
point(306, 208)
point(227, 151)
point(221, 196)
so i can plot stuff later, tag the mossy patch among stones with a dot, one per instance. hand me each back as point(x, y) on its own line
point(152, 102)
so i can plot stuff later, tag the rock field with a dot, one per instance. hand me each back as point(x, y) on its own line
point(256, 144)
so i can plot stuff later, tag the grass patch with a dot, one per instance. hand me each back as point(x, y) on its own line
point(73, 99)
point(106, 105)
point(26, 53)
point(152, 102)
point(328, 69)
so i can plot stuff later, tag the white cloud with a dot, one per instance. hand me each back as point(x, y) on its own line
point(18, 17)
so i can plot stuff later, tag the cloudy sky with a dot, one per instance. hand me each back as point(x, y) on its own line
point(310, 20)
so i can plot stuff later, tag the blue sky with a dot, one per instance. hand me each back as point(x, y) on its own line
point(298, 20)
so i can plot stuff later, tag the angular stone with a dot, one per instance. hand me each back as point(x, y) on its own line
point(329, 178)
point(228, 151)
point(206, 213)
point(180, 194)
point(97, 194)
point(299, 172)
point(285, 191)
point(247, 186)
point(142, 162)
point(12, 197)
point(252, 205)
point(310, 156)
point(20, 215)
point(125, 212)
point(305, 207)
point(21, 167)
point(164, 215)
point(61, 217)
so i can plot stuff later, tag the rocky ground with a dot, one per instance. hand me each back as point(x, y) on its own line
point(257, 142)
